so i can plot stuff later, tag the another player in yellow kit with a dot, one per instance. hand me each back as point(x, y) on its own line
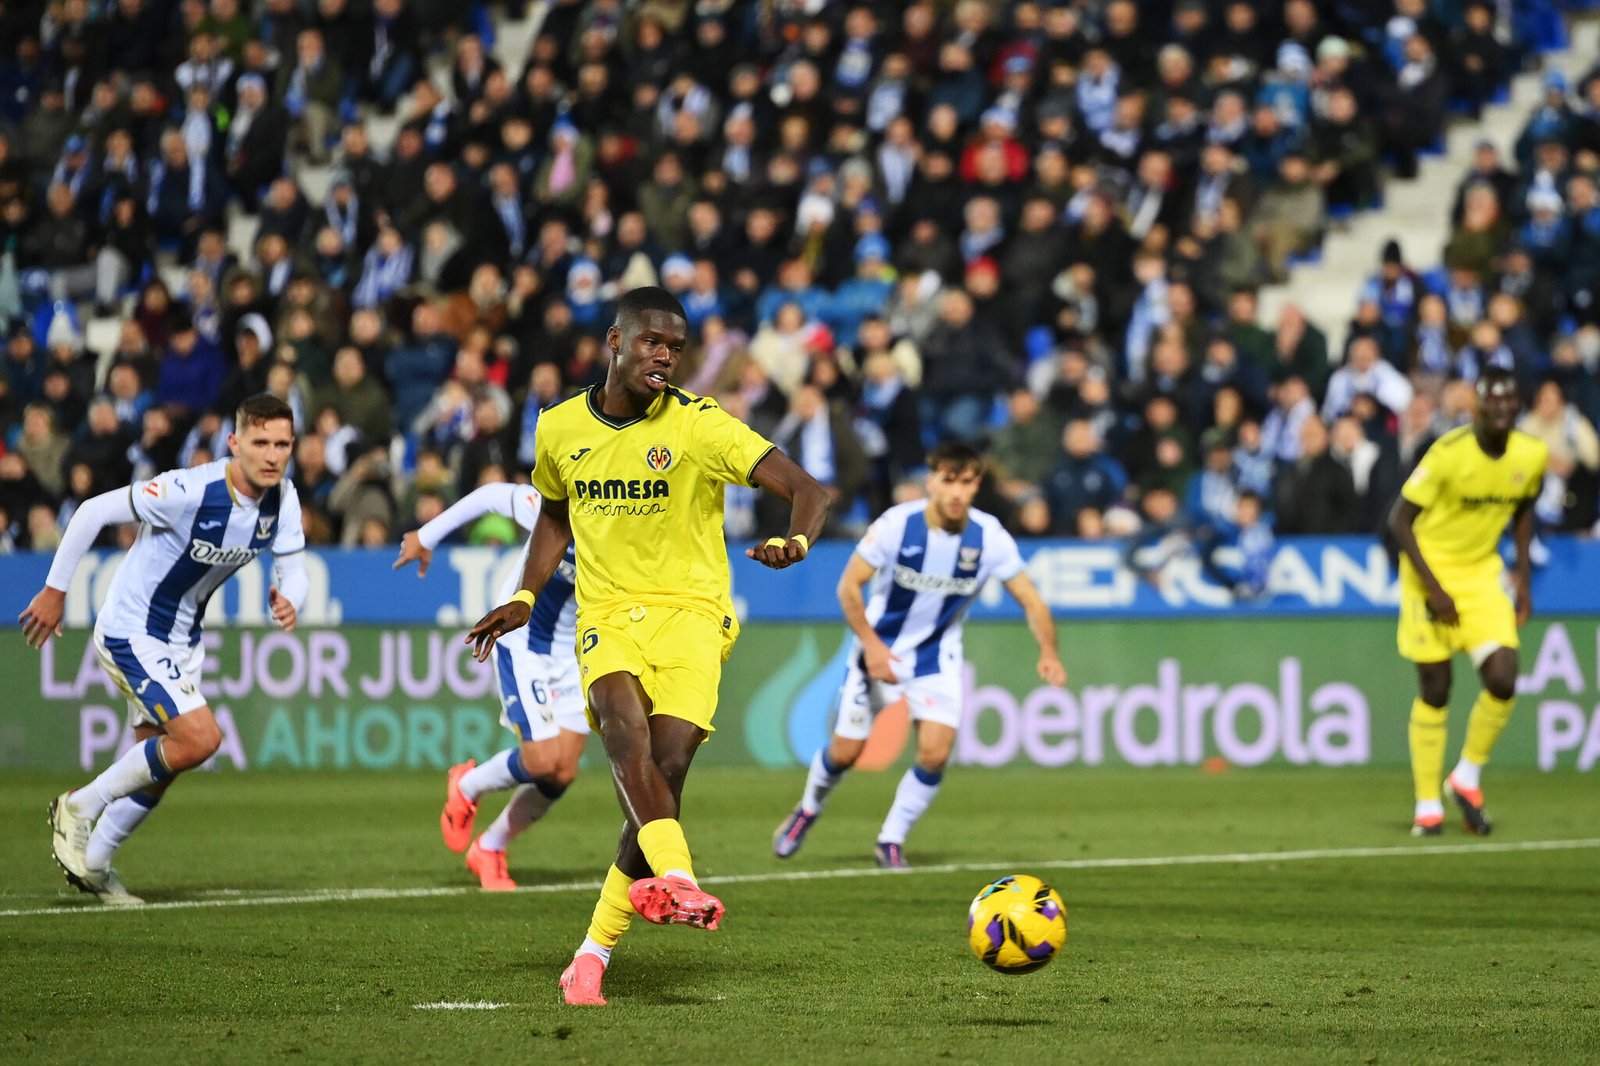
point(632, 471)
point(1472, 483)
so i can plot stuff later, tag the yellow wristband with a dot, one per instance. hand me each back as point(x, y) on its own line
point(775, 542)
point(805, 544)
point(522, 596)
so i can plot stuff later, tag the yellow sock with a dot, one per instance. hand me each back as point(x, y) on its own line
point(1427, 748)
point(612, 912)
point(664, 846)
point(1487, 722)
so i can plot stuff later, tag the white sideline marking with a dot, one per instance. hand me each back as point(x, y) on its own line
point(477, 1004)
point(357, 895)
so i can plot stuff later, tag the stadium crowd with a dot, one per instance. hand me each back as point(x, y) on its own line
point(1035, 226)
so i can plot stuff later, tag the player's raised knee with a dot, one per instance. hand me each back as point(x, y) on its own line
point(191, 740)
point(540, 759)
point(564, 773)
point(1433, 683)
point(674, 765)
point(1500, 674)
point(842, 753)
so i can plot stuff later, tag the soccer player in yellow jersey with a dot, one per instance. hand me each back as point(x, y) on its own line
point(632, 472)
point(1452, 511)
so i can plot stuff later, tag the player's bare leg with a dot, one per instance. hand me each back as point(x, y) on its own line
point(622, 711)
point(630, 857)
point(1427, 731)
point(1490, 712)
point(650, 758)
point(669, 746)
point(544, 763)
point(915, 793)
point(182, 743)
point(556, 766)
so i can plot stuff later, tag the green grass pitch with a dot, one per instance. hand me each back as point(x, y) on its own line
point(1374, 948)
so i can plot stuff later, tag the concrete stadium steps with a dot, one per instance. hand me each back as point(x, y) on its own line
point(1416, 213)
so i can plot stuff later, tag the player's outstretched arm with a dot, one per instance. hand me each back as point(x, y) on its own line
point(42, 617)
point(1522, 569)
point(417, 547)
point(1401, 521)
point(551, 535)
point(412, 551)
point(1041, 625)
point(783, 477)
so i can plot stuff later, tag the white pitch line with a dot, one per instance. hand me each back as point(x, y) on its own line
point(356, 895)
point(477, 1004)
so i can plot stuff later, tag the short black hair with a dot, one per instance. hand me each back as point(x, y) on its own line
point(955, 454)
point(260, 409)
point(648, 298)
point(1491, 376)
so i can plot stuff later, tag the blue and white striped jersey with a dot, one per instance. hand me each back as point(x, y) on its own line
point(194, 532)
point(555, 612)
point(926, 579)
point(554, 621)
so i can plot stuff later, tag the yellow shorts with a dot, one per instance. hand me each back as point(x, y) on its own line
point(676, 654)
point(1488, 616)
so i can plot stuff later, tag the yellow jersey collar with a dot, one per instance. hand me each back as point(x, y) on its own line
point(592, 399)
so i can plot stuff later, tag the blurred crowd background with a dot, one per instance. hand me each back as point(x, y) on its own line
point(1038, 227)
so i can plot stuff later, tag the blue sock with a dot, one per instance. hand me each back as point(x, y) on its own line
point(911, 800)
point(499, 771)
point(158, 765)
point(146, 799)
point(820, 780)
point(518, 771)
point(136, 768)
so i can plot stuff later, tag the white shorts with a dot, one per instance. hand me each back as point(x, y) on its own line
point(930, 698)
point(161, 680)
point(540, 695)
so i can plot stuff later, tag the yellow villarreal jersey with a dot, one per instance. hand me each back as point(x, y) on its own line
point(1467, 498)
point(645, 497)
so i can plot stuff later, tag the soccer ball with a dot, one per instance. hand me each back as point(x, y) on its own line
point(1017, 924)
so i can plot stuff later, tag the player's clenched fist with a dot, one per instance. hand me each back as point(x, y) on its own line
point(282, 609)
point(1443, 606)
point(495, 624)
point(778, 553)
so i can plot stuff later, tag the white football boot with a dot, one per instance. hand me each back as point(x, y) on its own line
point(109, 889)
point(69, 838)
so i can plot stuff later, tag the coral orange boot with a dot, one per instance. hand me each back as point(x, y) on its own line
point(455, 822)
point(580, 981)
